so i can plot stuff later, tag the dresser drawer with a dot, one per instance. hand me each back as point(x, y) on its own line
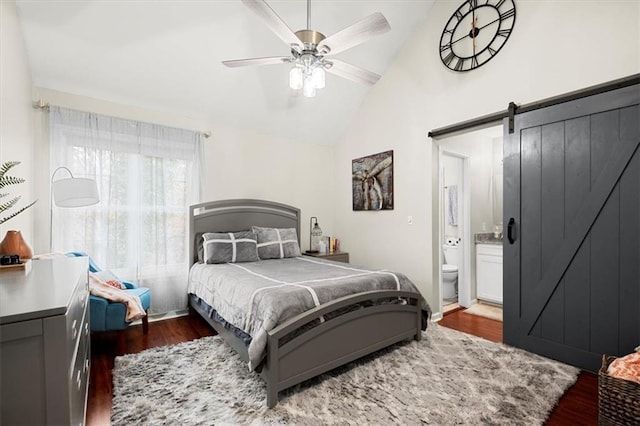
point(79, 381)
point(78, 310)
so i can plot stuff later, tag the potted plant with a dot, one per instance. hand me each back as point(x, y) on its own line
point(13, 243)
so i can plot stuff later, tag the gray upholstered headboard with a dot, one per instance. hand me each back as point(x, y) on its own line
point(238, 215)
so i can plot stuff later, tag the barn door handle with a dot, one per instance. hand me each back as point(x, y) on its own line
point(510, 230)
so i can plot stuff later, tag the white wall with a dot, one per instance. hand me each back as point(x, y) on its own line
point(239, 163)
point(16, 119)
point(452, 167)
point(497, 181)
point(556, 47)
point(478, 147)
point(246, 164)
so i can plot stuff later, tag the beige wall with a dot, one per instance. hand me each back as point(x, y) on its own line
point(556, 47)
point(16, 118)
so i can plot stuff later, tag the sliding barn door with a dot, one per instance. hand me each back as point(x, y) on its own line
point(572, 209)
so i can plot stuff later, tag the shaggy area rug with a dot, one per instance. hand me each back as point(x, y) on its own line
point(447, 378)
point(485, 310)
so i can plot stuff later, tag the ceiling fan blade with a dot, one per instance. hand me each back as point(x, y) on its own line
point(270, 60)
point(355, 34)
point(273, 21)
point(352, 72)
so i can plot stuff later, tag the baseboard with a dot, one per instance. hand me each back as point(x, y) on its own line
point(164, 316)
point(473, 302)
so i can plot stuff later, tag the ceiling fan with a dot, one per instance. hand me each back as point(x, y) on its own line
point(311, 52)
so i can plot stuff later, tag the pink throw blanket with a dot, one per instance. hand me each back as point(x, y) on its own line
point(627, 367)
point(99, 288)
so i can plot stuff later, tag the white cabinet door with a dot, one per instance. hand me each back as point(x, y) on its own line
point(489, 272)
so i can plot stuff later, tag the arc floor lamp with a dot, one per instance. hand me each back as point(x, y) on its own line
point(71, 192)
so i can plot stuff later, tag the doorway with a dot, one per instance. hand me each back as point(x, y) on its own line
point(455, 236)
point(470, 218)
point(452, 227)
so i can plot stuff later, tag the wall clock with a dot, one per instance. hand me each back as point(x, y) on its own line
point(476, 32)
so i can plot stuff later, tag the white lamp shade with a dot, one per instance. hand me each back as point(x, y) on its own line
point(75, 192)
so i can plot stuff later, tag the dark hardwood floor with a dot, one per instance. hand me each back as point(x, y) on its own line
point(579, 406)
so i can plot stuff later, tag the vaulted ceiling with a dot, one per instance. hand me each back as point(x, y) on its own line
point(166, 56)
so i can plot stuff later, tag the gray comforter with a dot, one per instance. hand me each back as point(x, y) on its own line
point(258, 296)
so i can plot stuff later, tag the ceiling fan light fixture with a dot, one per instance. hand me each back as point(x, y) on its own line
point(317, 77)
point(309, 49)
point(309, 89)
point(296, 78)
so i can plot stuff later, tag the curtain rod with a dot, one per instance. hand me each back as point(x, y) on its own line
point(518, 109)
point(42, 104)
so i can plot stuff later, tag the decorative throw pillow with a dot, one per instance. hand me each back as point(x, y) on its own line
point(230, 247)
point(277, 243)
point(110, 278)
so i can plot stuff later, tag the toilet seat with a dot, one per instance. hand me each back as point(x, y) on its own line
point(449, 268)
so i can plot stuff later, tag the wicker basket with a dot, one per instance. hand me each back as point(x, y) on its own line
point(618, 399)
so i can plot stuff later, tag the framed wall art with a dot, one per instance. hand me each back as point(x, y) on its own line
point(372, 182)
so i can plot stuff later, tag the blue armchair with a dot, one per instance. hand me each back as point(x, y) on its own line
point(106, 315)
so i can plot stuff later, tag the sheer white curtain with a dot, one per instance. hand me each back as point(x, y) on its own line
point(147, 177)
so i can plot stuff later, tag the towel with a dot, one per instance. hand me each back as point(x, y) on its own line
point(99, 288)
point(452, 211)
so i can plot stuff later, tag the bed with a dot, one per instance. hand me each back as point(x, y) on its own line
point(328, 333)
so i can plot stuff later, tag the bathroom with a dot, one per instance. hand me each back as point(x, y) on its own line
point(470, 184)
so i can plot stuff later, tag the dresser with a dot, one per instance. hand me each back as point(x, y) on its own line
point(44, 343)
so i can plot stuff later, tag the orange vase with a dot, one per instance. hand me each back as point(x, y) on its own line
point(13, 243)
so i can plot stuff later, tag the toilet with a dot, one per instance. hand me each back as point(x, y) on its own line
point(450, 272)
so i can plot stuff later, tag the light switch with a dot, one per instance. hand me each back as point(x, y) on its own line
point(410, 220)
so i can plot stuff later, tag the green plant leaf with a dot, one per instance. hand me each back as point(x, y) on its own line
point(6, 181)
point(14, 214)
point(7, 166)
point(8, 204)
point(10, 180)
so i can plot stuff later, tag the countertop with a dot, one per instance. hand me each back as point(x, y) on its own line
point(487, 238)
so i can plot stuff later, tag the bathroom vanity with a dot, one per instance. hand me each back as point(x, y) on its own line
point(489, 271)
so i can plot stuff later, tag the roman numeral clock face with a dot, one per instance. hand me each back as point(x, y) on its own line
point(476, 32)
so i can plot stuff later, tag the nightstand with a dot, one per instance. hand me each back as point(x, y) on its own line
point(337, 256)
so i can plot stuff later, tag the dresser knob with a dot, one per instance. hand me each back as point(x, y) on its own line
point(74, 330)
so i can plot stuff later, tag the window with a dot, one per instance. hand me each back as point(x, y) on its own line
point(147, 176)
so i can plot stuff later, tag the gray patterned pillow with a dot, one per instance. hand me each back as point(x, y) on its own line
point(229, 247)
point(277, 243)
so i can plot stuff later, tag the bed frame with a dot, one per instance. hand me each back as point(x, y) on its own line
point(326, 346)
